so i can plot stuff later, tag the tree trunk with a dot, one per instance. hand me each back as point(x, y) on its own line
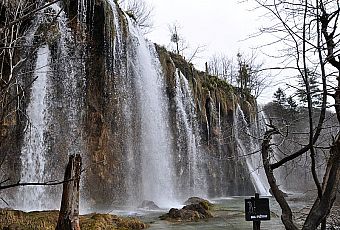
point(69, 209)
point(287, 216)
point(322, 207)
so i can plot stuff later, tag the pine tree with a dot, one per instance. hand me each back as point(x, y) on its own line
point(244, 75)
point(314, 90)
point(280, 97)
point(292, 103)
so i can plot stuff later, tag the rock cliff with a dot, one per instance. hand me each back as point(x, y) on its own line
point(148, 124)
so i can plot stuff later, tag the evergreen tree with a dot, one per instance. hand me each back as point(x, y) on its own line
point(280, 97)
point(244, 75)
point(314, 90)
point(292, 103)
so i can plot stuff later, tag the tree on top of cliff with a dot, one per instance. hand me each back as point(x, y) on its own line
point(308, 34)
point(181, 45)
point(177, 39)
point(221, 66)
point(139, 11)
point(246, 73)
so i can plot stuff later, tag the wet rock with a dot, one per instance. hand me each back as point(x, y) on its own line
point(201, 208)
point(197, 200)
point(148, 204)
point(191, 212)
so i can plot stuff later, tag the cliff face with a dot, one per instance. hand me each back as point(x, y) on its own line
point(149, 126)
point(215, 103)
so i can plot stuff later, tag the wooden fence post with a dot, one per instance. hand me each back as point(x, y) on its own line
point(69, 208)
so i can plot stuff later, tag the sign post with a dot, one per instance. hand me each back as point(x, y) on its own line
point(257, 209)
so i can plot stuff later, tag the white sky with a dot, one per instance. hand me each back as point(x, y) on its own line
point(219, 25)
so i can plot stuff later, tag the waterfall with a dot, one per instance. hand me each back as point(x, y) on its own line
point(33, 151)
point(70, 71)
point(125, 91)
point(249, 147)
point(193, 178)
point(54, 115)
point(106, 97)
point(155, 138)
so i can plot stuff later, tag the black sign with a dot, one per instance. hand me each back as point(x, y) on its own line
point(257, 209)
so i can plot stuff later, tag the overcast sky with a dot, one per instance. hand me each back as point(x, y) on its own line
point(219, 25)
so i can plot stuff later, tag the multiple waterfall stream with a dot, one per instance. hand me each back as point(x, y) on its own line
point(159, 154)
point(189, 148)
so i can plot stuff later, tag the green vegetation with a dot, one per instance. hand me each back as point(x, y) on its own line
point(203, 86)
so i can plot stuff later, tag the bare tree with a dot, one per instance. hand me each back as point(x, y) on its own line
point(17, 15)
point(177, 39)
point(10, 41)
point(245, 74)
point(14, 53)
point(309, 38)
point(140, 11)
point(221, 66)
point(181, 46)
point(69, 208)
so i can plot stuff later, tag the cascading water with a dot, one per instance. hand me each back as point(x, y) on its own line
point(71, 70)
point(192, 177)
point(33, 151)
point(126, 92)
point(248, 147)
point(155, 142)
point(49, 115)
point(138, 141)
point(148, 144)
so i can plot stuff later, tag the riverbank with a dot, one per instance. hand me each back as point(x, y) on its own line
point(228, 213)
point(47, 220)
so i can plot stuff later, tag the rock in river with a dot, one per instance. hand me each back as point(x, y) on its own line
point(148, 204)
point(191, 212)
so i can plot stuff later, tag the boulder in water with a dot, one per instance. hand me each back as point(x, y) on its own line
point(148, 204)
point(198, 200)
point(191, 212)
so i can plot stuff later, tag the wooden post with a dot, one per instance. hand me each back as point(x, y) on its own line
point(69, 208)
point(256, 223)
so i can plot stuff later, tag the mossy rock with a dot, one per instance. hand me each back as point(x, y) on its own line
point(47, 220)
point(197, 200)
point(206, 205)
point(181, 215)
point(190, 212)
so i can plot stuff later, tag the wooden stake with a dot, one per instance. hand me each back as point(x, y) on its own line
point(256, 224)
point(69, 208)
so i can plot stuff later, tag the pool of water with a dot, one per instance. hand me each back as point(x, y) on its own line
point(229, 215)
